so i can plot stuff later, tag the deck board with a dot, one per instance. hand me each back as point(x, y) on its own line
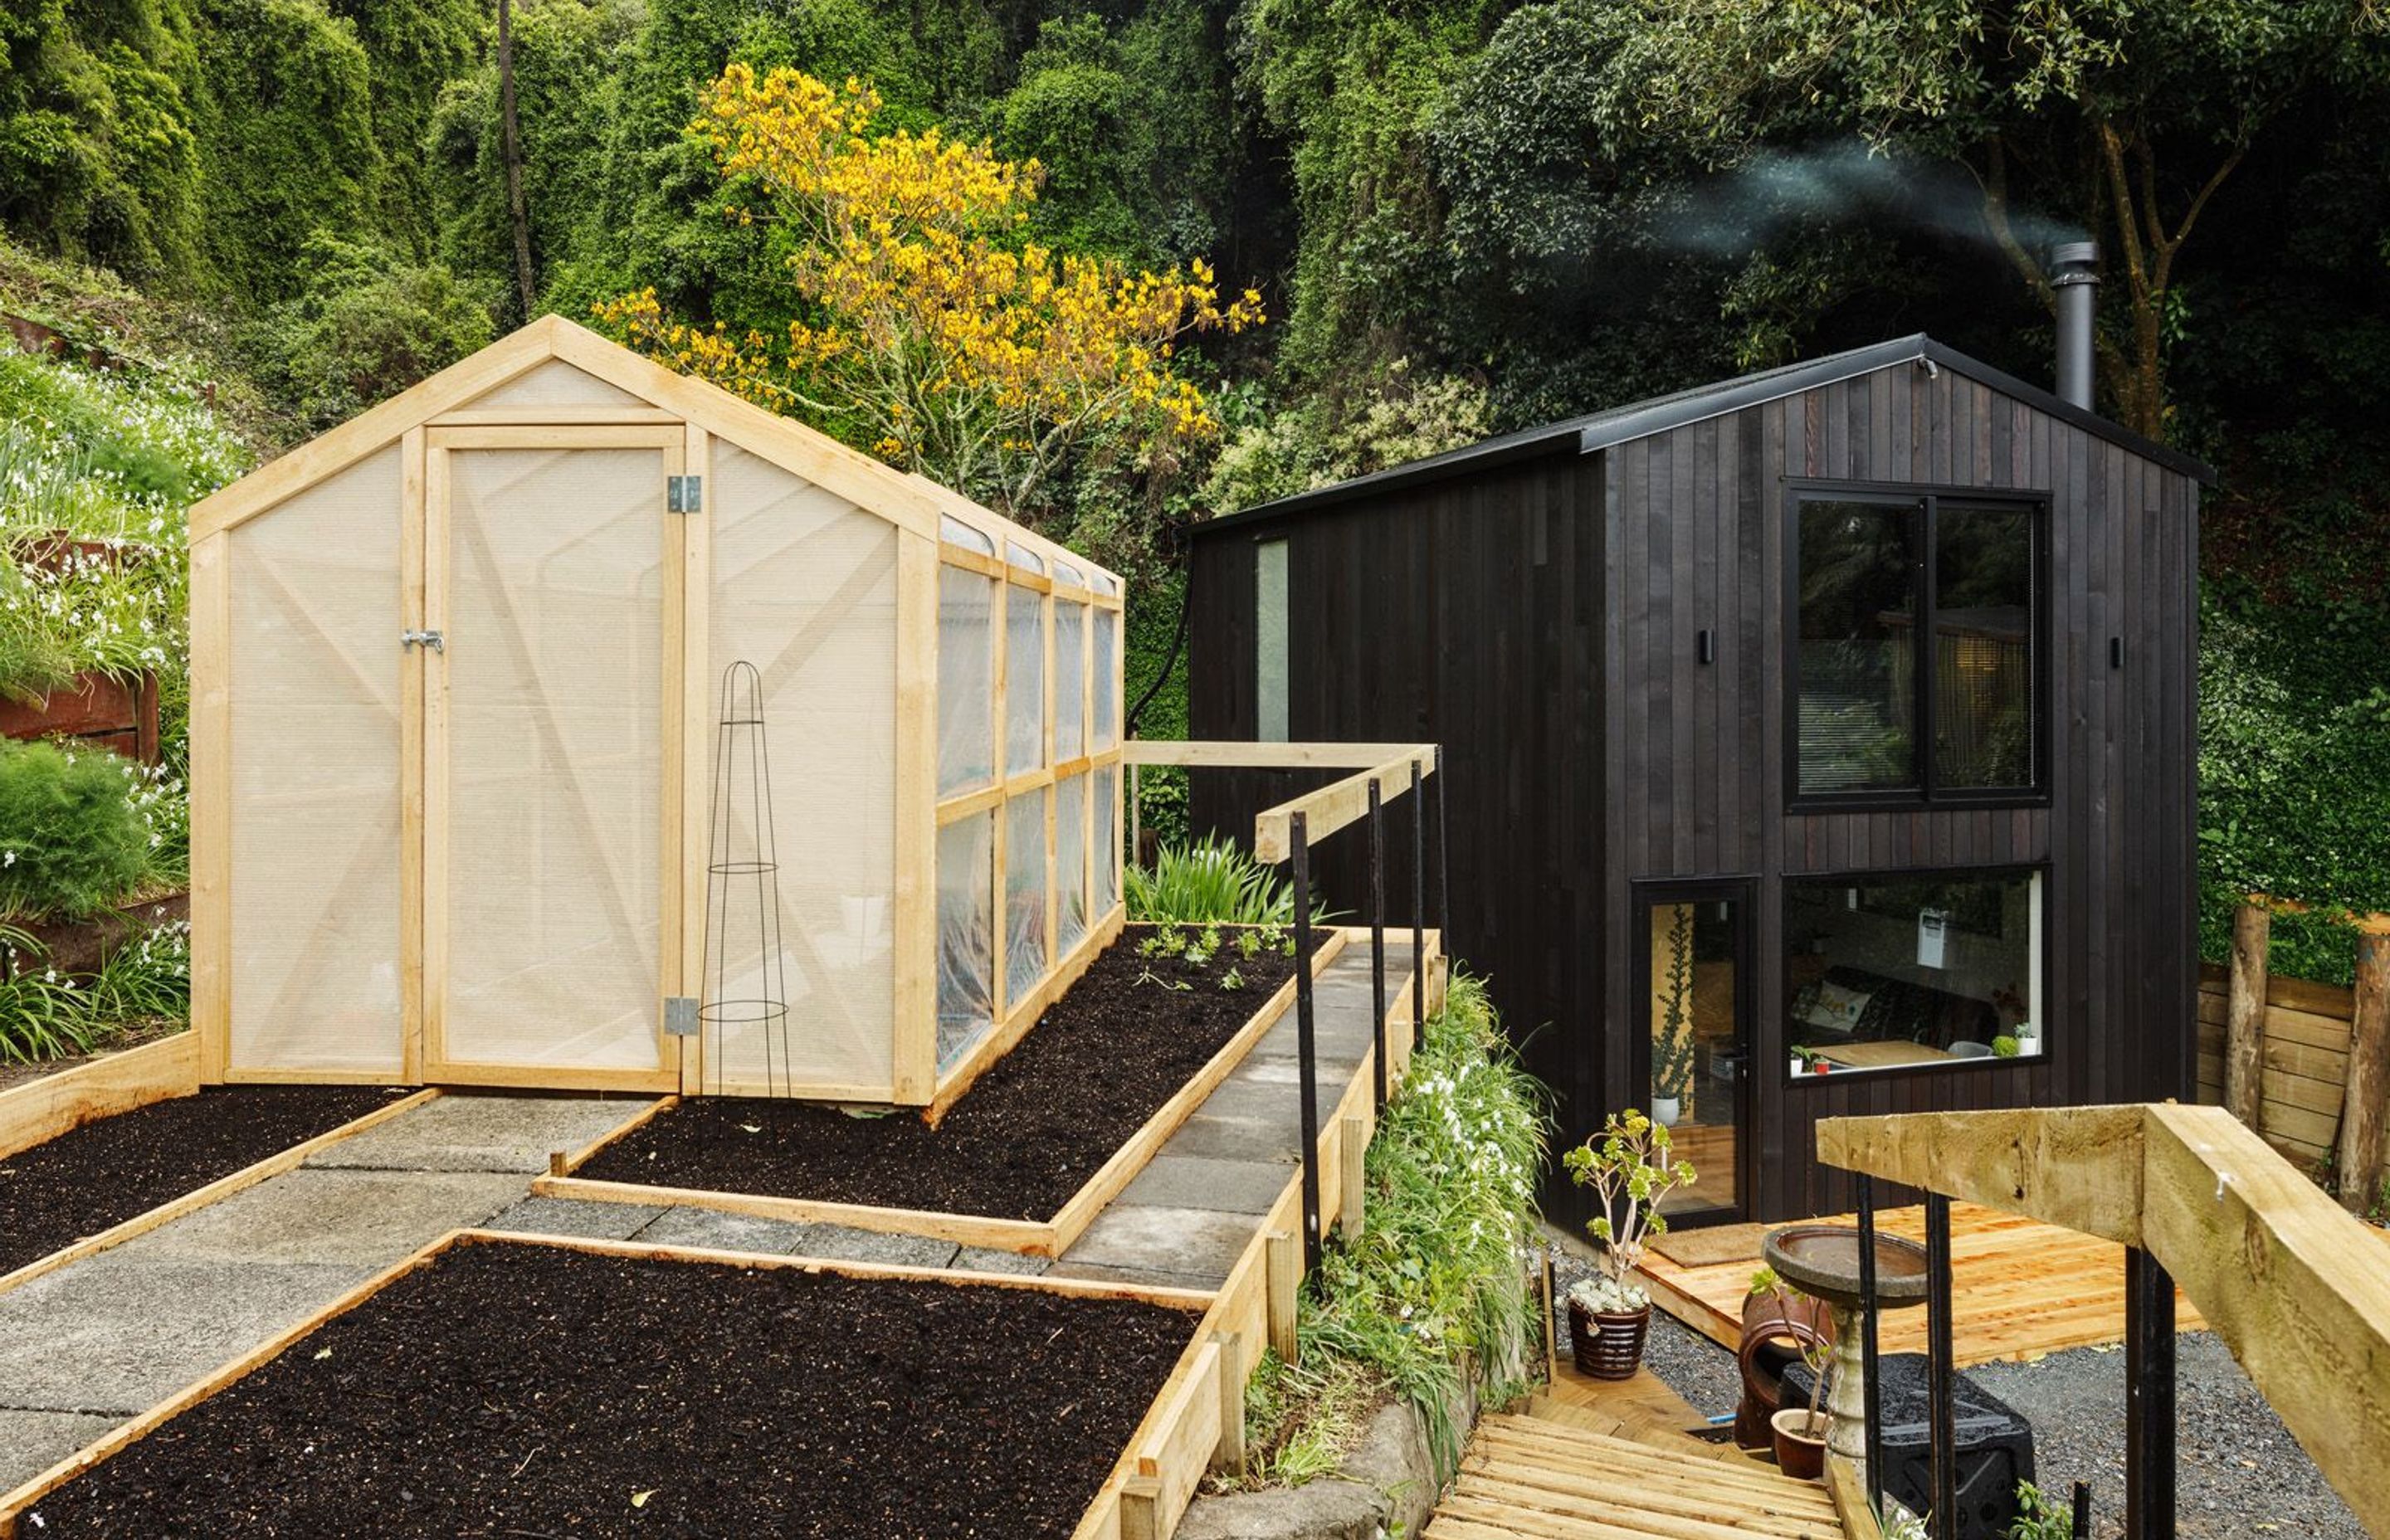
point(2019, 1289)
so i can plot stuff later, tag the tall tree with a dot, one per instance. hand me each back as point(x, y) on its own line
point(511, 150)
point(2128, 116)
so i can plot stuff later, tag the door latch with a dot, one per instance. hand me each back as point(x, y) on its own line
point(431, 639)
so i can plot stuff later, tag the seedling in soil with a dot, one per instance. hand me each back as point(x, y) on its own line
point(1165, 943)
point(1149, 977)
point(1249, 944)
point(1204, 947)
point(1233, 979)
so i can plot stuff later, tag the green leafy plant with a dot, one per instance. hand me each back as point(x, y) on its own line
point(1167, 941)
point(1148, 976)
point(1627, 1163)
point(72, 841)
point(45, 1014)
point(2004, 1047)
point(1435, 1283)
point(1233, 980)
point(1672, 1045)
point(1209, 882)
point(2040, 1516)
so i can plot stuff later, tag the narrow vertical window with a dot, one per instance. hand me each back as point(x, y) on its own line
point(1984, 673)
point(1269, 641)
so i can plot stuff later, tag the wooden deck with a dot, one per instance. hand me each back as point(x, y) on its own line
point(2019, 1288)
point(1588, 1460)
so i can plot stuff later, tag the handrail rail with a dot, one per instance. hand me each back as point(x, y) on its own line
point(2298, 1290)
point(1288, 832)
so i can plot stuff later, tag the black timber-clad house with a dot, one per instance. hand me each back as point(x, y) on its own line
point(1718, 818)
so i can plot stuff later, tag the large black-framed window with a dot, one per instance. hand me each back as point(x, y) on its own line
point(1914, 970)
point(1916, 646)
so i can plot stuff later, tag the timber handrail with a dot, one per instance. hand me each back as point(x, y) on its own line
point(1226, 753)
point(1339, 802)
point(2299, 1290)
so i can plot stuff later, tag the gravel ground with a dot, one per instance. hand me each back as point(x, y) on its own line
point(2240, 1472)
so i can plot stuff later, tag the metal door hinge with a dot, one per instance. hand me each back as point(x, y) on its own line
point(684, 493)
point(680, 1016)
point(431, 639)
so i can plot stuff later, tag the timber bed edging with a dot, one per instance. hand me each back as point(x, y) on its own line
point(1184, 1419)
point(1046, 1238)
point(42, 1108)
point(276, 1164)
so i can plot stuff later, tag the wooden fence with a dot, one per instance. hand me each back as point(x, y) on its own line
point(2305, 1065)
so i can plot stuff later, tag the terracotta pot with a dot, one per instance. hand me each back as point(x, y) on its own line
point(1608, 1344)
point(1799, 1453)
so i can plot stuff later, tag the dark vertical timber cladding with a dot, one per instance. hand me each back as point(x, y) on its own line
point(1543, 619)
point(1468, 612)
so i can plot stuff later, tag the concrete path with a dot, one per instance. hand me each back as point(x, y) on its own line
point(1190, 1213)
point(103, 1340)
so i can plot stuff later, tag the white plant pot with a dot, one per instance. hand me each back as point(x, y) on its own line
point(1666, 1111)
point(1800, 1066)
point(2028, 1046)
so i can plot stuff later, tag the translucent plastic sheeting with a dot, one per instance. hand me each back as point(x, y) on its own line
point(556, 383)
point(1027, 953)
point(1070, 862)
point(1108, 839)
point(555, 660)
point(804, 589)
point(953, 529)
point(315, 795)
point(1103, 679)
point(966, 680)
point(966, 934)
point(1024, 679)
point(1070, 680)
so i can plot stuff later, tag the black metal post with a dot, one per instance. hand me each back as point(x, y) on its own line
point(1443, 854)
point(1303, 1025)
point(2149, 1398)
point(2082, 1510)
point(1940, 1377)
point(1419, 912)
point(1378, 944)
point(1874, 1390)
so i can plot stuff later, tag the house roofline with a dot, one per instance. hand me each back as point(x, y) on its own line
point(1619, 425)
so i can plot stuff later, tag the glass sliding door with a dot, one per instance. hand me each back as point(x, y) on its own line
point(1693, 1047)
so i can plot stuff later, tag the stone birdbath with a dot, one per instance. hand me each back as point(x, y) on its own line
point(1823, 1260)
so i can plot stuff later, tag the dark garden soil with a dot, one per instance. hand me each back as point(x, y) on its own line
point(1023, 1140)
point(107, 1171)
point(511, 1390)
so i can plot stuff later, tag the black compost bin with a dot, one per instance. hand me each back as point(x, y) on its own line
point(1994, 1445)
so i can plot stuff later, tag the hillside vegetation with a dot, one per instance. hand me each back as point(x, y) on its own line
point(1461, 216)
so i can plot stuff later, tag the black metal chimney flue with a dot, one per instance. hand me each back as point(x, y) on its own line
point(2074, 273)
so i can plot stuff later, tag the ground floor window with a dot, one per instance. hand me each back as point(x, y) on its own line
point(1898, 970)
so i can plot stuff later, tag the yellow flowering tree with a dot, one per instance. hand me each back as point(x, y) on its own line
point(934, 332)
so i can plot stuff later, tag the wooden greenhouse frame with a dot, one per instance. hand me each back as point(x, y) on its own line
point(368, 826)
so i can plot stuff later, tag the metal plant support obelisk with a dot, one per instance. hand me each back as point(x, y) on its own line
point(733, 874)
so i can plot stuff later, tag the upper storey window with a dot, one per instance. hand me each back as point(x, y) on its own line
point(1879, 580)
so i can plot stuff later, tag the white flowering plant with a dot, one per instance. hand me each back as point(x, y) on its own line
point(1627, 1164)
point(1604, 1295)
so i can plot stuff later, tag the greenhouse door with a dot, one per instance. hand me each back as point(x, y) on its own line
point(552, 575)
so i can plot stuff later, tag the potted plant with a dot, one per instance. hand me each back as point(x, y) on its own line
point(1626, 1165)
point(2028, 1039)
point(1799, 1433)
point(1672, 1045)
point(1801, 1057)
point(2004, 1047)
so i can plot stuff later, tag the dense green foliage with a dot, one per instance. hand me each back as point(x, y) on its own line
point(75, 842)
point(1436, 1283)
point(1468, 215)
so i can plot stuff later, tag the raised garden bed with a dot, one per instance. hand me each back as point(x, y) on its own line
point(117, 1171)
point(1048, 1134)
point(492, 1387)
